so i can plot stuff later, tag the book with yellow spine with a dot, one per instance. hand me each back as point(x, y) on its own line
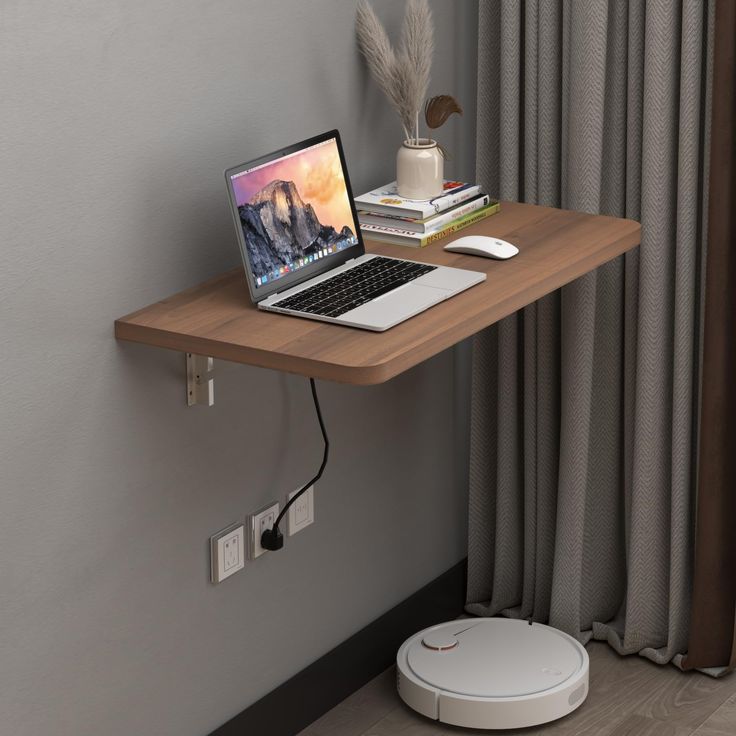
point(398, 236)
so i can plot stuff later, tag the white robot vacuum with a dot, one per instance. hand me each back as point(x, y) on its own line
point(492, 673)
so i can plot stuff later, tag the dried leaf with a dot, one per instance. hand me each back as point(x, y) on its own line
point(439, 108)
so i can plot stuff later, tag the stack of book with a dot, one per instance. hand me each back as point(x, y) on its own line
point(386, 216)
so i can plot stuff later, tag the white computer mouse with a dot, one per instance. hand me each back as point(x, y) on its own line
point(481, 245)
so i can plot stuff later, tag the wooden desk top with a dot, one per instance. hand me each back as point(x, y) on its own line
point(217, 318)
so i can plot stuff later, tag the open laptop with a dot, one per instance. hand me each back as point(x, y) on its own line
point(303, 251)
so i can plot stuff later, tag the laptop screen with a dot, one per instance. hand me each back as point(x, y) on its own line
point(293, 211)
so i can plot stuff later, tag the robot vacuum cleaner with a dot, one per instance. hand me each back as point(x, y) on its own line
point(492, 673)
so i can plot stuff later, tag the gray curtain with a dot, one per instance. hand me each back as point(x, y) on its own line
point(583, 454)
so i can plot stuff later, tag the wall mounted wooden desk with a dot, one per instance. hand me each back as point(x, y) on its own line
point(217, 319)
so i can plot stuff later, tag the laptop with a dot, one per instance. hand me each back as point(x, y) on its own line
point(302, 248)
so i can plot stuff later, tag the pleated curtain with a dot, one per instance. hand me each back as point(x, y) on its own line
point(584, 404)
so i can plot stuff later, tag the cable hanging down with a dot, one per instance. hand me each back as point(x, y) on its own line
point(272, 539)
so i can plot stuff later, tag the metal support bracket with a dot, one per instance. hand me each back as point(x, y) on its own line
point(200, 380)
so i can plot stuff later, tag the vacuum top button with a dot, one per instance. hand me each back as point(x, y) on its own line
point(440, 641)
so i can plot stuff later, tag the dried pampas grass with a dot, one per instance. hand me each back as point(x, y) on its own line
point(404, 75)
point(417, 48)
point(379, 54)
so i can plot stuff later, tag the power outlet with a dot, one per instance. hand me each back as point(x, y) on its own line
point(301, 512)
point(258, 522)
point(227, 552)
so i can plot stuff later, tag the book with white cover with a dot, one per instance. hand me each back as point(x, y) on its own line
point(431, 223)
point(386, 200)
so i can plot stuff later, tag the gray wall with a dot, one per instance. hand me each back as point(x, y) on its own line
point(118, 120)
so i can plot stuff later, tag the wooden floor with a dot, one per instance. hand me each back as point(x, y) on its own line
point(629, 696)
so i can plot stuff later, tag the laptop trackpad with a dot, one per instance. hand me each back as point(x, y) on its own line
point(394, 307)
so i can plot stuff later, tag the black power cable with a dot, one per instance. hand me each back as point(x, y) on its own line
point(272, 539)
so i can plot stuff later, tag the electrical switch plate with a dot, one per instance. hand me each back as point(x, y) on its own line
point(301, 512)
point(227, 552)
point(258, 522)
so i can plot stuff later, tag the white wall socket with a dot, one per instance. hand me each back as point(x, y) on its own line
point(227, 552)
point(301, 512)
point(258, 522)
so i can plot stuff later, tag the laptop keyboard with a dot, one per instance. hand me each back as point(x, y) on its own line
point(356, 286)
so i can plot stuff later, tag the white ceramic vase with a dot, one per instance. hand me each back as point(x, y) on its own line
point(419, 169)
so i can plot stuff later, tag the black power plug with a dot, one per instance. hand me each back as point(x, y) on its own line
point(272, 539)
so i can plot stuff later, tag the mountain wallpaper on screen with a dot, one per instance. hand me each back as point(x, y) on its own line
point(279, 228)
